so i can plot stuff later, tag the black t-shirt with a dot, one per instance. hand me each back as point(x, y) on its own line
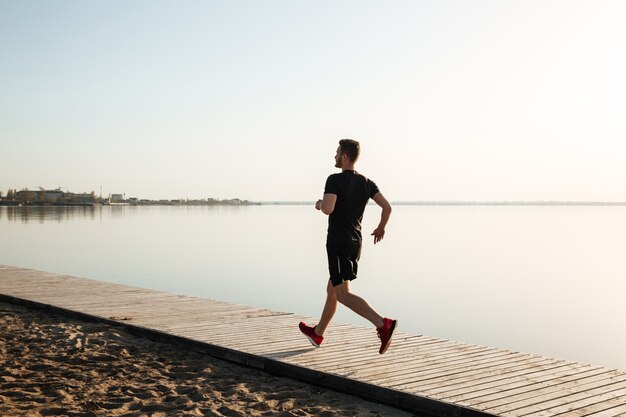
point(353, 191)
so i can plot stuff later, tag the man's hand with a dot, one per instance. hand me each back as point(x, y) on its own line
point(318, 205)
point(378, 234)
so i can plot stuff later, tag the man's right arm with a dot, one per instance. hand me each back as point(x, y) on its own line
point(327, 204)
point(379, 233)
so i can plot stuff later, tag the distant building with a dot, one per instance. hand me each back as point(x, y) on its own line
point(117, 198)
point(54, 197)
point(43, 196)
point(51, 195)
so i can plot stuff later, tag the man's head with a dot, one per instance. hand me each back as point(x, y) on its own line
point(347, 153)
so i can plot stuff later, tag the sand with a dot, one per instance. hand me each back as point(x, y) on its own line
point(56, 366)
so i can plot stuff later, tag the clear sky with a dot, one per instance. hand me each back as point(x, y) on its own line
point(451, 100)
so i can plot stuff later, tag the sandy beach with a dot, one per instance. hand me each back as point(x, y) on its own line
point(52, 365)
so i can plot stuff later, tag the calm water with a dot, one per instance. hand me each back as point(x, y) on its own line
point(544, 280)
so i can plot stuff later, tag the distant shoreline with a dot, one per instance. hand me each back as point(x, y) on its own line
point(229, 203)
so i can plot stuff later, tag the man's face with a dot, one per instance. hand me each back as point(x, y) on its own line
point(338, 158)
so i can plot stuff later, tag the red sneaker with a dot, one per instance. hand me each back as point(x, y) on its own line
point(385, 333)
point(310, 333)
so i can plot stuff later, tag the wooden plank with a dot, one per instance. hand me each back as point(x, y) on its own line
point(447, 360)
point(475, 377)
point(503, 378)
point(559, 387)
point(388, 369)
point(332, 356)
point(571, 397)
point(457, 368)
point(582, 407)
point(618, 411)
point(471, 377)
point(425, 352)
point(548, 377)
point(493, 391)
point(447, 368)
point(398, 364)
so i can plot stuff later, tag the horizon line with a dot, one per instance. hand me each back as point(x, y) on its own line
point(475, 202)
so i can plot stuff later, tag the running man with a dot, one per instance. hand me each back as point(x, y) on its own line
point(345, 197)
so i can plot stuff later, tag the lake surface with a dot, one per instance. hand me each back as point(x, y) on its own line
point(548, 280)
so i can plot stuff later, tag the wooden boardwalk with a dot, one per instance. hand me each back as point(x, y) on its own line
point(421, 374)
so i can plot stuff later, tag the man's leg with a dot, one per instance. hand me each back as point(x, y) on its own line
point(329, 310)
point(355, 303)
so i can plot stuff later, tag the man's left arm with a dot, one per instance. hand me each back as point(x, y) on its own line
point(379, 233)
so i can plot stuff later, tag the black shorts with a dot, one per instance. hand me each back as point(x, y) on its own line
point(343, 262)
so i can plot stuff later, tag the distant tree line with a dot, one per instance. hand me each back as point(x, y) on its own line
point(59, 197)
point(48, 197)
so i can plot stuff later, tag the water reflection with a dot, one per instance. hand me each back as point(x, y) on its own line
point(117, 212)
point(60, 214)
point(41, 214)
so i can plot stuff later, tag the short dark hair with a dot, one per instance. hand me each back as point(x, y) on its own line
point(350, 147)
